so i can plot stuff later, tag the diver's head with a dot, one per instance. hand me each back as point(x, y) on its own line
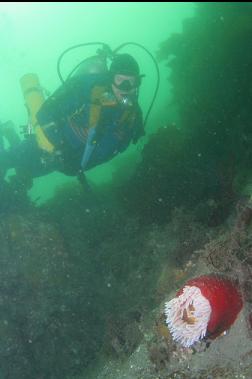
point(125, 77)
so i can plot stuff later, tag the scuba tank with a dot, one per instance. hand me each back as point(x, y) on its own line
point(34, 98)
point(92, 65)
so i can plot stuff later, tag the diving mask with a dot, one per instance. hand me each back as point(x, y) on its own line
point(126, 82)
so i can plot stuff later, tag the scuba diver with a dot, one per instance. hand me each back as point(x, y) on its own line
point(93, 116)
